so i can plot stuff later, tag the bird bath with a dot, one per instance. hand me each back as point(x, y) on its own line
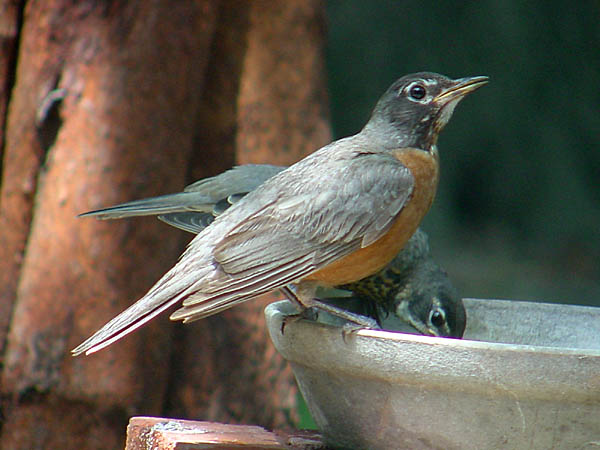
point(526, 375)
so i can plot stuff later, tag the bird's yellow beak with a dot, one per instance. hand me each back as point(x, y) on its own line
point(460, 88)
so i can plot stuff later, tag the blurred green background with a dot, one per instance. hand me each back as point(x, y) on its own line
point(518, 207)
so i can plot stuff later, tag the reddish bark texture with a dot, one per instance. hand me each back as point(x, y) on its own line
point(115, 101)
point(9, 28)
point(15, 207)
point(282, 105)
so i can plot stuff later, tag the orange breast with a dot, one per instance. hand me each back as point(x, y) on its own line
point(424, 167)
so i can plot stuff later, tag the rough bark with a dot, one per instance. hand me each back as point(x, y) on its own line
point(15, 199)
point(10, 16)
point(131, 76)
point(116, 101)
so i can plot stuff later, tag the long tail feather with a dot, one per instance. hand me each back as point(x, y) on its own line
point(170, 203)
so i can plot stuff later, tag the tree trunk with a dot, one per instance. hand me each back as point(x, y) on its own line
point(117, 101)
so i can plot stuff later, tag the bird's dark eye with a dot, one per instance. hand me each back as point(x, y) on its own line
point(437, 318)
point(417, 92)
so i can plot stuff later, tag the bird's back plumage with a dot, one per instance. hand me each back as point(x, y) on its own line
point(293, 224)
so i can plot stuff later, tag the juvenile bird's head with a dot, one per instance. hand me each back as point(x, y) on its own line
point(430, 303)
point(415, 109)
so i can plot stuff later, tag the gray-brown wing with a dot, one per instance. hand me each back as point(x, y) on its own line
point(223, 190)
point(303, 231)
point(243, 178)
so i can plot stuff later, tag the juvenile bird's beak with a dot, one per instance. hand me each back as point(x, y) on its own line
point(460, 88)
point(404, 312)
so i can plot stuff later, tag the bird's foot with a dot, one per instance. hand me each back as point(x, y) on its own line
point(306, 313)
point(309, 308)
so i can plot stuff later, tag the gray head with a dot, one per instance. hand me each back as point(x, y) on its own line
point(415, 109)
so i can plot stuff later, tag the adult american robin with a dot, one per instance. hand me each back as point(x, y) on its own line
point(333, 218)
point(412, 287)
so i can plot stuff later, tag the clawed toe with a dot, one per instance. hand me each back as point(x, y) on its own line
point(350, 328)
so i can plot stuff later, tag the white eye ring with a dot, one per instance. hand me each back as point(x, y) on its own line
point(416, 92)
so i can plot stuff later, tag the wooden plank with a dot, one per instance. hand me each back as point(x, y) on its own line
point(162, 434)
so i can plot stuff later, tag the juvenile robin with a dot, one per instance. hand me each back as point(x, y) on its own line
point(335, 217)
point(412, 287)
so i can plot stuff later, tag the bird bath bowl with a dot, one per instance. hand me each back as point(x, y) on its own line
point(525, 376)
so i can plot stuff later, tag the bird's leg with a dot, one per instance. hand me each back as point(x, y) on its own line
point(292, 297)
point(306, 303)
point(358, 319)
point(304, 311)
